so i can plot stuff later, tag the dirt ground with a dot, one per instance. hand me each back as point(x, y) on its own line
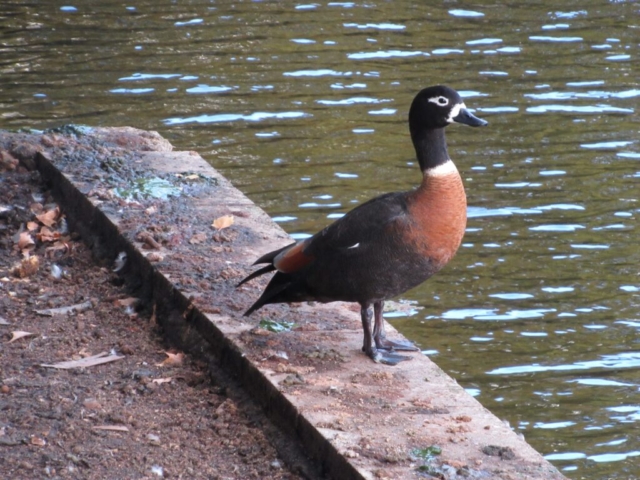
point(149, 413)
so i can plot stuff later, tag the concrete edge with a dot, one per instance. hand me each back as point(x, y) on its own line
point(181, 320)
point(187, 325)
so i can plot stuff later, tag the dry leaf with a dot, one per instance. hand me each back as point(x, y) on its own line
point(98, 359)
point(47, 235)
point(56, 247)
point(40, 442)
point(50, 217)
point(32, 226)
point(25, 240)
point(198, 238)
point(162, 380)
point(18, 334)
point(114, 428)
point(27, 267)
point(3, 321)
point(223, 222)
point(172, 359)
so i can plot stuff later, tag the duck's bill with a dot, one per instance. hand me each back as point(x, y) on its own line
point(468, 118)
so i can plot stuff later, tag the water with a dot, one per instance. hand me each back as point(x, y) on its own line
point(303, 106)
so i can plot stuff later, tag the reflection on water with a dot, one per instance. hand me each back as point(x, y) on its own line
point(304, 105)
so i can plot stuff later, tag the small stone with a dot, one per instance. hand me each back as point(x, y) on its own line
point(5, 389)
point(153, 439)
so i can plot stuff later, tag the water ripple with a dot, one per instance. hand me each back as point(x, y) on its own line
point(543, 38)
point(456, 12)
point(511, 296)
point(578, 109)
point(352, 101)
point(609, 362)
point(484, 41)
point(149, 76)
point(557, 228)
point(613, 457)
point(315, 73)
point(232, 117)
point(606, 145)
point(209, 89)
point(379, 26)
point(195, 21)
point(599, 94)
point(386, 54)
point(491, 314)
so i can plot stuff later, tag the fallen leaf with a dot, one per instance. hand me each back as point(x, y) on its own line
point(27, 267)
point(40, 442)
point(98, 359)
point(47, 235)
point(223, 222)
point(172, 359)
point(160, 381)
point(25, 240)
point(114, 428)
point(3, 321)
point(198, 238)
point(18, 334)
point(50, 217)
point(32, 226)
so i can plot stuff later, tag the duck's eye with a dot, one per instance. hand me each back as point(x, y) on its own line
point(441, 100)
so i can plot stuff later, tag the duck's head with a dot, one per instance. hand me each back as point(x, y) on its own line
point(437, 107)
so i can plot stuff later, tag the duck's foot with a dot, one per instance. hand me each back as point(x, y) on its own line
point(401, 345)
point(386, 358)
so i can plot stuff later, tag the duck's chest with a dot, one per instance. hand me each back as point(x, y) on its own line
point(438, 212)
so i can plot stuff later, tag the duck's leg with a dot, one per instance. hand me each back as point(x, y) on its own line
point(380, 337)
point(388, 358)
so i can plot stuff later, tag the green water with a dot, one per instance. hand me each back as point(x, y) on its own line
point(303, 106)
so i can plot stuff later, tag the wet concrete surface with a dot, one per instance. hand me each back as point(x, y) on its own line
point(128, 194)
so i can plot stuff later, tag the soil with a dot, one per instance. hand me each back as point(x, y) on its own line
point(149, 413)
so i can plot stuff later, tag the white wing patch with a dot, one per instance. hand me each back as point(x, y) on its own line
point(354, 246)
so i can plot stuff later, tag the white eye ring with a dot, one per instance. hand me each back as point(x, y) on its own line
point(440, 101)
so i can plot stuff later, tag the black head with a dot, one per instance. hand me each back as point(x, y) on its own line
point(437, 107)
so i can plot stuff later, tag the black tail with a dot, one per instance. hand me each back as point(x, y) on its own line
point(257, 273)
point(278, 284)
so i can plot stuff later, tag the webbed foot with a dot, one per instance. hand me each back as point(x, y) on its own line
point(384, 343)
point(386, 358)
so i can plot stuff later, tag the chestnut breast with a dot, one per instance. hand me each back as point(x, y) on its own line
point(438, 210)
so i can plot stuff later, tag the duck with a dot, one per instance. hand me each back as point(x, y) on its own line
point(387, 245)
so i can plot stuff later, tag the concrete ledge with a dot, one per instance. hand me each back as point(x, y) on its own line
point(357, 419)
